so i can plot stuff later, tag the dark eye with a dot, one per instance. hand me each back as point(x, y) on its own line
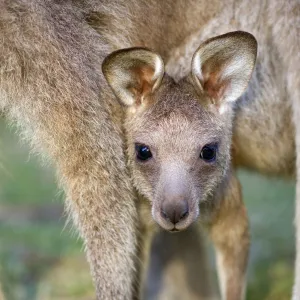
point(208, 153)
point(142, 152)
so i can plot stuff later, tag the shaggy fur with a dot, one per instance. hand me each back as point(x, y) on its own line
point(52, 86)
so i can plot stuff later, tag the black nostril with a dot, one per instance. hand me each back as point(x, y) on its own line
point(163, 214)
point(184, 214)
point(174, 211)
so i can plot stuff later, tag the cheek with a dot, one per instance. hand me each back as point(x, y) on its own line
point(145, 179)
point(207, 175)
point(207, 179)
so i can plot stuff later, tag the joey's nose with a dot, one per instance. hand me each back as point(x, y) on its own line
point(175, 212)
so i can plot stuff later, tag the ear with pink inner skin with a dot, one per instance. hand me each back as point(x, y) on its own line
point(222, 66)
point(133, 74)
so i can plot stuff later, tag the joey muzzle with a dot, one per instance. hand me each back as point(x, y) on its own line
point(173, 209)
point(174, 214)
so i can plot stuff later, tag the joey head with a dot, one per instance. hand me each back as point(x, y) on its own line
point(179, 133)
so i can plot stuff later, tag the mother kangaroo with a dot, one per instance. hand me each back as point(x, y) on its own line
point(52, 87)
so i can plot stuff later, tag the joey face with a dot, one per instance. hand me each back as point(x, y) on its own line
point(178, 152)
point(179, 134)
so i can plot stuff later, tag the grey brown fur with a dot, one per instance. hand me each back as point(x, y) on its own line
point(175, 121)
point(52, 86)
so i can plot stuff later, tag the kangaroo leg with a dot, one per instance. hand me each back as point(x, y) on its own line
point(147, 229)
point(51, 85)
point(229, 233)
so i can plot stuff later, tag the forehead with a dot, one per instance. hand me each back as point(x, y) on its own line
point(177, 118)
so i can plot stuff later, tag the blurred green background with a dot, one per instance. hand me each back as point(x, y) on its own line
point(41, 259)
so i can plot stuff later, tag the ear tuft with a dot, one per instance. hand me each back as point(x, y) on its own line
point(133, 74)
point(222, 66)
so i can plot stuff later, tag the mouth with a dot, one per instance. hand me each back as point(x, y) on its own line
point(169, 226)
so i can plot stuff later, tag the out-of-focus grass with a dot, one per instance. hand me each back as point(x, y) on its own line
point(38, 260)
point(22, 179)
point(34, 248)
point(270, 206)
point(28, 252)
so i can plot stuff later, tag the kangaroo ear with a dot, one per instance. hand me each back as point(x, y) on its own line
point(133, 74)
point(222, 66)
